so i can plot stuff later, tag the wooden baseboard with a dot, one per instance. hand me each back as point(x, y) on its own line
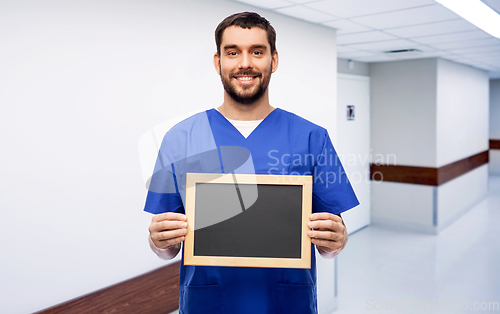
point(152, 293)
point(427, 175)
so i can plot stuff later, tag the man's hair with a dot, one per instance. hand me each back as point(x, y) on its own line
point(246, 20)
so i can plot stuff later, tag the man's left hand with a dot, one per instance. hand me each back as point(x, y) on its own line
point(329, 233)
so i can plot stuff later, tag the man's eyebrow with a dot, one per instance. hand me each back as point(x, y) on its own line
point(259, 47)
point(252, 47)
point(230, 47)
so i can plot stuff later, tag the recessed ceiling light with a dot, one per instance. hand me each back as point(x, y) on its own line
point(477, 13)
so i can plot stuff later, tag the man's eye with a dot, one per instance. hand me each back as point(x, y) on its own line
point(257, 52)
point(232, 53)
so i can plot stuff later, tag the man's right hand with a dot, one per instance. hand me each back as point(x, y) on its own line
point(168, 229)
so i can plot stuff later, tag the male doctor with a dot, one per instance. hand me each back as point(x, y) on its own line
point(245, 59)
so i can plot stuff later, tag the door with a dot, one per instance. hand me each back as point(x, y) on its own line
point(353, 143)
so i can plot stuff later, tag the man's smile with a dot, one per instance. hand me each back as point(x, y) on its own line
point(246, 79)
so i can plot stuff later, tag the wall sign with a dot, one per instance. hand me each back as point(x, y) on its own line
point(350, 112)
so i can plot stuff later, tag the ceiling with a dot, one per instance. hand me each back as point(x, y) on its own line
point(368, 29)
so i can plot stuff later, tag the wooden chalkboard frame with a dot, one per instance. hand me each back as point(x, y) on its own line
point(303, 262)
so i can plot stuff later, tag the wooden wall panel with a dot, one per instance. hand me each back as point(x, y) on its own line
point(155, 292)
point(404, 174)
point(458, 168)
point(425, 175)
point(494, 144)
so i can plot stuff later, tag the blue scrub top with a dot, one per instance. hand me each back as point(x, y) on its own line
point(283, 143)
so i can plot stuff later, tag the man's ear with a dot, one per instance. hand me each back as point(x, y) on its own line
point(217, 63)
point(275, 61)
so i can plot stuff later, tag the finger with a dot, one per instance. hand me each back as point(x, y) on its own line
point(326, 225)
point(171, 225)
point(327, 244)
point(169, 216)
point(325, 216)
point(167, 225)
point(168, 235)
point(165, 243)
point(326, 235)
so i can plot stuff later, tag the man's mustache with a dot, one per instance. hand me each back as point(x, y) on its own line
point(247, 73)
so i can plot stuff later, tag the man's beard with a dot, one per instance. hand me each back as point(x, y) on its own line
point(243, 98)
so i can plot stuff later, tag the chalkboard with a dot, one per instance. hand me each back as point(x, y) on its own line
point(248, 220)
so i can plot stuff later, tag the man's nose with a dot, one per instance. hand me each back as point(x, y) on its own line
point(245, 61)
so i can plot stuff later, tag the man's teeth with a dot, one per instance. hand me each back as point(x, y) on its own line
point(245, 78)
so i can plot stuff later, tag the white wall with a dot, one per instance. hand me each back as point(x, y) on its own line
point(409, 206)
point(429, 112)
point(81, 82)
point(462, 131)
point(403, 116)
point(495, 124)
point(457, 196)
point(495, 109)
point(494, 161)
point(462, 111)
point(346, 66)
point(424, 208)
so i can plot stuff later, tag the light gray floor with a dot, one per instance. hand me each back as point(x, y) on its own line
point(398, 271)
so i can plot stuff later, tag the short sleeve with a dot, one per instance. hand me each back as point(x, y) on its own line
point(163, 195)
point(187, 147)
point(332, 191)
point(158, 203)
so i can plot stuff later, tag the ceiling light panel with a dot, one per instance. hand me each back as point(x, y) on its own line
point(266, 4)
point(477, 13)
point(346, 27)
point(352, 8)
point(453, 26)
point(307, 14)
point(422, 15)
point(494, 4)
point(364, 37)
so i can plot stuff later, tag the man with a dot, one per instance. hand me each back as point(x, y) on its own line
point(245, 59)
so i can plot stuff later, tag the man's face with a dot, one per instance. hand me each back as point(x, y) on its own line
point(245, 63)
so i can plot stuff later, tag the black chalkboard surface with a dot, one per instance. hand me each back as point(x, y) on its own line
point(248, 220)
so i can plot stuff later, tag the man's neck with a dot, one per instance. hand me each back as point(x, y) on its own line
point(234, 110)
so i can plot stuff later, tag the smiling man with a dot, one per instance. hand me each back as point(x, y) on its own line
point(245, 59)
